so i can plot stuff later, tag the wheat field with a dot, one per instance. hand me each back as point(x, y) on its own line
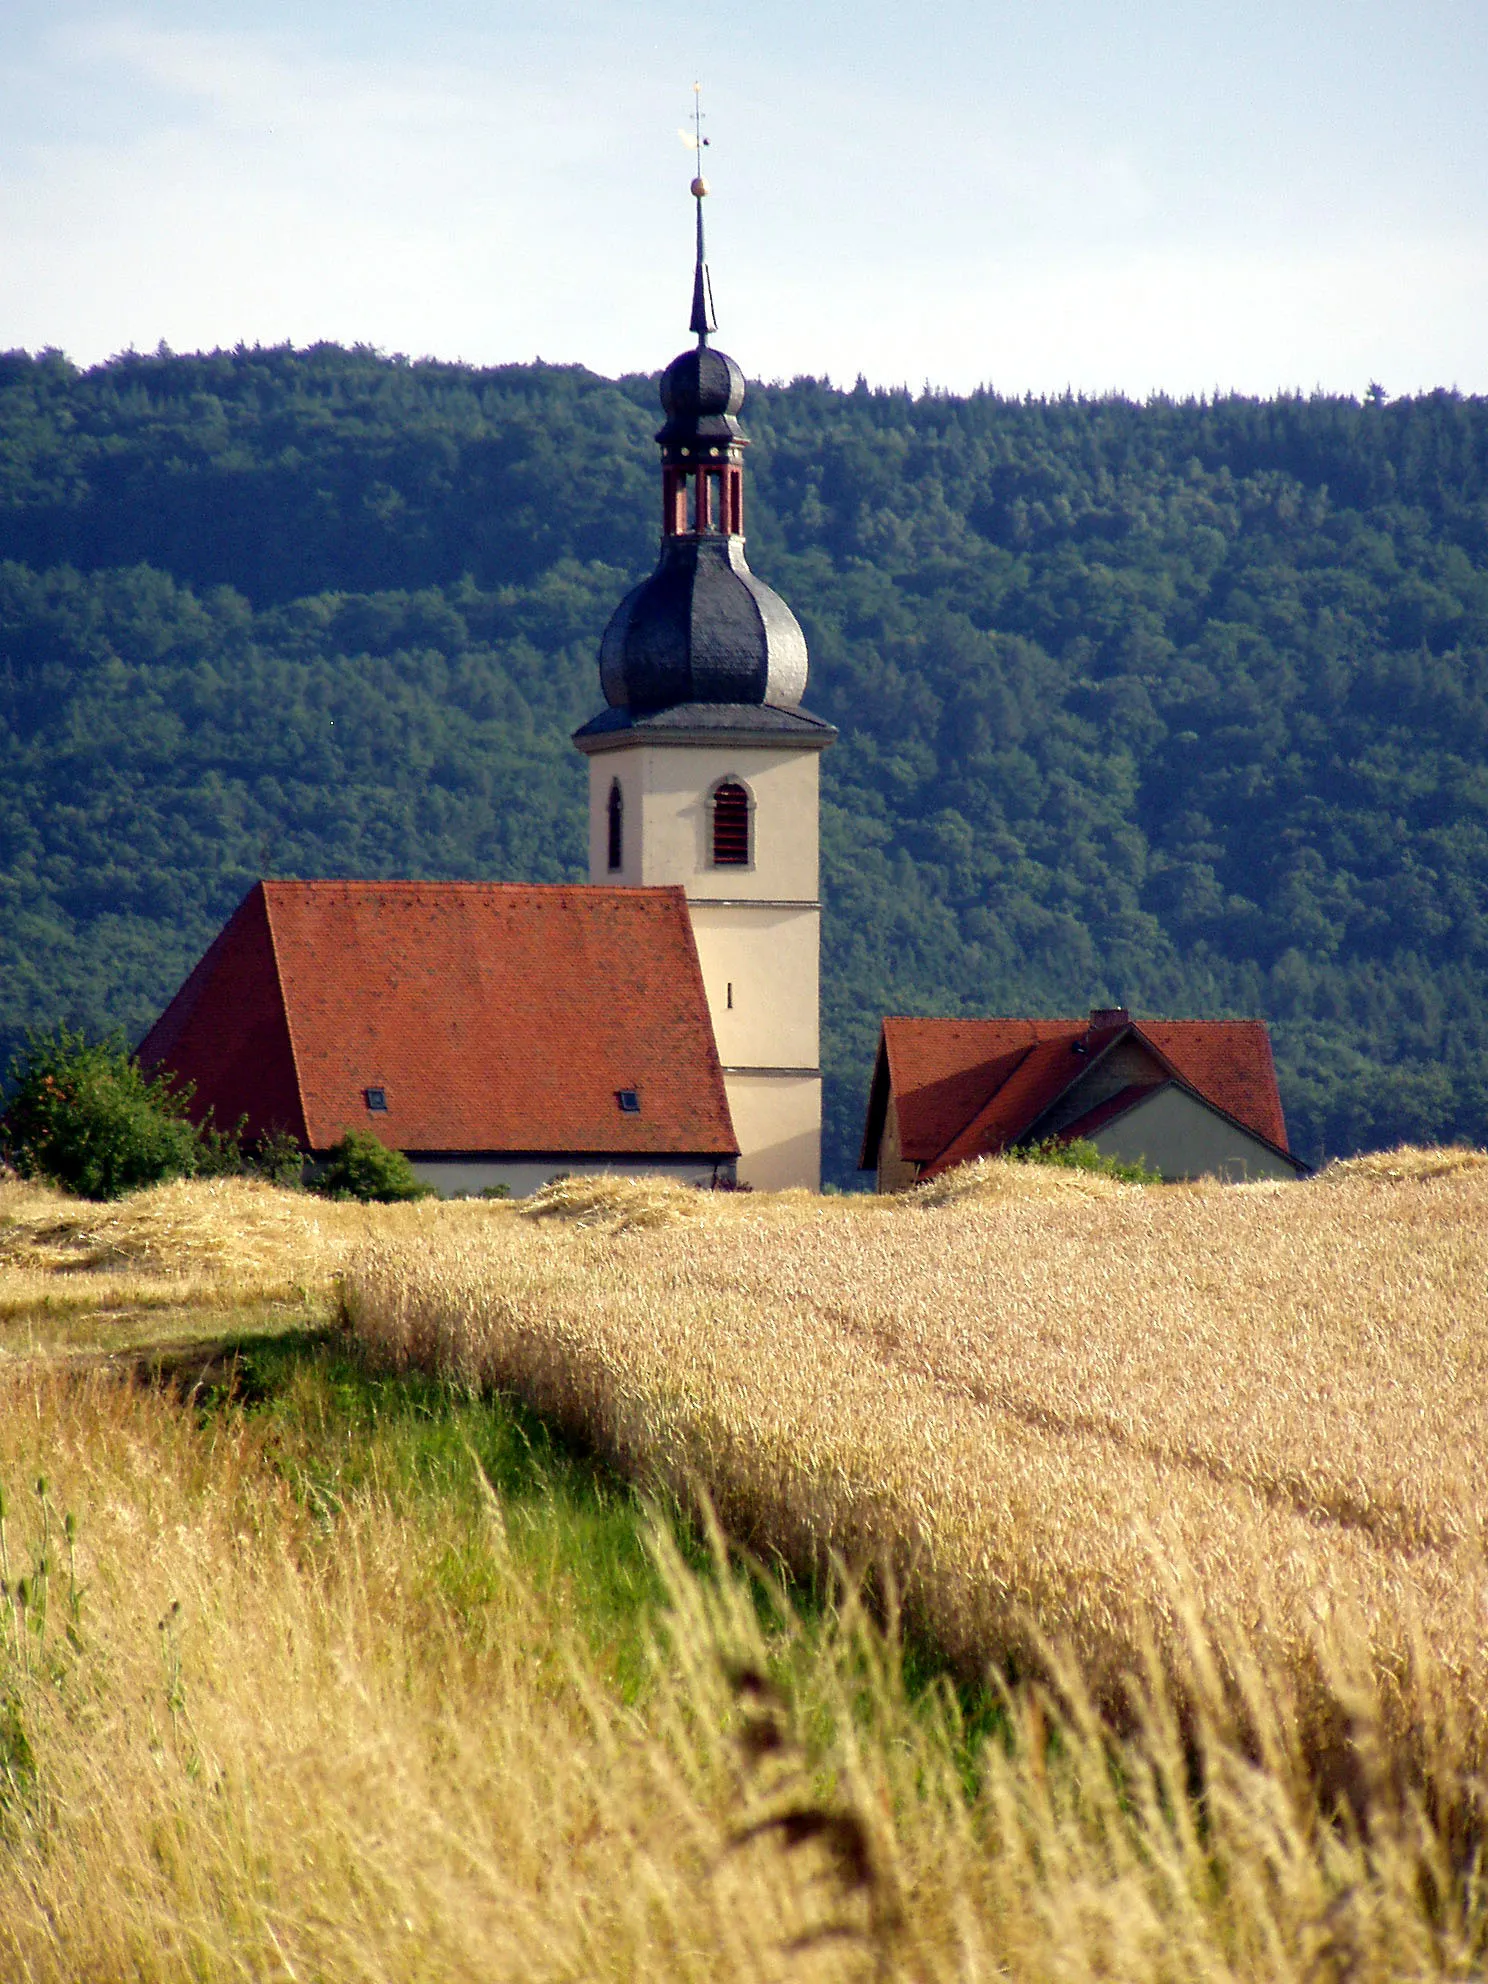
point(1186, 1482)
point(1048, 1408)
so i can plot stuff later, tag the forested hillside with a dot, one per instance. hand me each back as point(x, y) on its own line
point(1181, 704)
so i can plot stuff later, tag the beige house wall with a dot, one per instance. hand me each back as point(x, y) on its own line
point(757, 927)
point(777, 1119)
point(895, 1172)
point(1181, 1137)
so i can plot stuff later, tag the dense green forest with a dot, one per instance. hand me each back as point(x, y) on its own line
point(1184, 704)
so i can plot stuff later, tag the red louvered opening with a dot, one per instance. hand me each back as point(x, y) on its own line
point(731, 827)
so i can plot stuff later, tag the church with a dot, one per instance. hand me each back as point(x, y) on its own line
point(663, 1019)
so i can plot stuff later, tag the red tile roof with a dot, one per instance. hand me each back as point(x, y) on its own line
point(1042, 1074)
point(969, 1088)
point(494, 1016)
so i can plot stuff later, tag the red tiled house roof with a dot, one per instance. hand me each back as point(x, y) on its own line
point(495, 1017)
point(970, 1088)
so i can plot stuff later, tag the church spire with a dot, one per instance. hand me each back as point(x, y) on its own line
point(702, 630)
point(704, 319)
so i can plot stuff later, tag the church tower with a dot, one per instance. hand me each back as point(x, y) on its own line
point(704, 768)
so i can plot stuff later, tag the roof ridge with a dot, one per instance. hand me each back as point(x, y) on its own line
point(1080, 1022)
point(372, 882)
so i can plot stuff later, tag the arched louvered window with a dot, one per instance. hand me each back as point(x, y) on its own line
point(730, 826)
point(617, 827)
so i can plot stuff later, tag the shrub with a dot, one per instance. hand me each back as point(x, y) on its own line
point(1079, 1154)
point(362, 1167)
point(84, 1115)
point(278, 1157)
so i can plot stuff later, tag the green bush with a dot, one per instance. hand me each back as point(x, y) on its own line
point(1079, 1154)
point(278, 1158)
point(362, 1167)
point(83, 1115)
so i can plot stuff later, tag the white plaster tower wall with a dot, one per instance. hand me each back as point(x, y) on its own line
point(757, 925)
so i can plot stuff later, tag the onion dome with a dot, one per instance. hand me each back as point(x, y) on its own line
point(701, 393)
point(702, 629)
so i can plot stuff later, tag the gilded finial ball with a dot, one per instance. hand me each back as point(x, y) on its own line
point(699, 187)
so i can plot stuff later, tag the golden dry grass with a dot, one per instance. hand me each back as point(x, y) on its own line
point(74, 1272)
point(1209, 1460)
point(1408, 1162)
point(273, 1751)
point(374, 1747)
point(991, 1178)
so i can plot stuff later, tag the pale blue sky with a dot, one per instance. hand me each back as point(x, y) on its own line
point(1160, 197)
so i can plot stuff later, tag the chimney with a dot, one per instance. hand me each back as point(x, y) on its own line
point(1107, 1019)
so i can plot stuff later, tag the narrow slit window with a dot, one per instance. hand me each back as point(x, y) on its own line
point(730, 826)
point(617, 827)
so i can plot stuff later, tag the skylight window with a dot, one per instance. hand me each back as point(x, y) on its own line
point(376, 1100)
point(629, 1100)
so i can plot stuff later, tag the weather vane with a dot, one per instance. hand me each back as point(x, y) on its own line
point(695, 141)
point(704, 317)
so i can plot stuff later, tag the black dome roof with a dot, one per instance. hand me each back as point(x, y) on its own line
point(702, 629)
point(702, 391)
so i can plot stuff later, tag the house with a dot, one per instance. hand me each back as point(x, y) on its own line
point(497, 1033)
point(1187, 1098)
point(665, 1018)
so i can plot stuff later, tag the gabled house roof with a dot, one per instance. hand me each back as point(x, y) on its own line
point(493, 1017)
point(970, 1088)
